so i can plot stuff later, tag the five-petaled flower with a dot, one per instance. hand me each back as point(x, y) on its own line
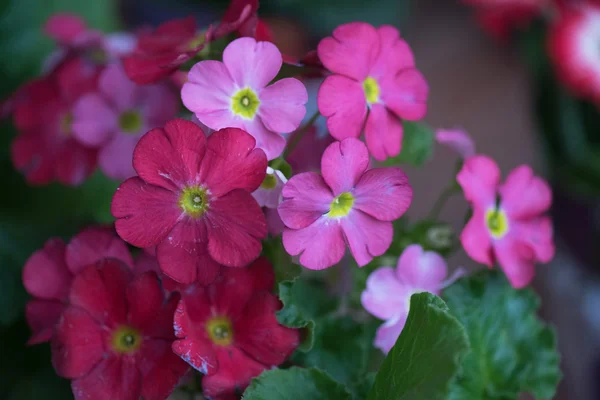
point(347, 204)
point(374, 84)
point(114, 339)
point(192, 199)
point(228, 330)
point(236, 93)
point(508, 223)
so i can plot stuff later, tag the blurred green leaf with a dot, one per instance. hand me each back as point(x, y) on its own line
point(293, 384)
point(426, 356)
point(12, 293)
point(417, 145)
point(512, 351)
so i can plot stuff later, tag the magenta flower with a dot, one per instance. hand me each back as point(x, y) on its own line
point(115, 118)
point(347, 204)
point(508, 223)
point(269, 193)
point(192, 200)
point(374, 83)
point(388, 291)
point(236, 93)
point(457, 140)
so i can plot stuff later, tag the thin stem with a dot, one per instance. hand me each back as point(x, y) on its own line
point(295, 139)
point(441, 201)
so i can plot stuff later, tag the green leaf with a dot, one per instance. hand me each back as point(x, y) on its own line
point(417, 145)
point(303, 302)
point(426, 356)
point(341, 348)
point(295, 383)
point(512, 351)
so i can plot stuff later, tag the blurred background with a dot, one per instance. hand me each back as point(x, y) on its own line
point(503, 92)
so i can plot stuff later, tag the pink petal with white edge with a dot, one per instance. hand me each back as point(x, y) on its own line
point(117, 87)
point(351, 51)
point(282, 105)
point(366, 236)
point(197, 352)
point(306, 199)
point(270, 142)
point(476, 240)
point(342, 101)
point(208, 92)
point(94, 121)
point(252, 64)
point(458, 140)
point(383, 193)
point(320, 244)
point(516, 259)
point(145, 213)
point(343, 163)
point(388, 333)
point(383, 296)
point(383, 133)
point(479, 179)
point(395, 53)
point(406, 94)
point(115, 157)
point(537, 234)
point(524, 195)
point(423, 270)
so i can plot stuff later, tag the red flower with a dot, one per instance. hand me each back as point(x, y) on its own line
point(48, 273)
point(114, 339)
point(45, 149)
point(228, 330)
point(192, 200)
point(572, 43)
point(240, 16)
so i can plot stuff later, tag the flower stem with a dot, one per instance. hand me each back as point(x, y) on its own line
point(441, 201)
point(295, 139)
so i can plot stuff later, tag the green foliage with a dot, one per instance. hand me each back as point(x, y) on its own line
point(284, 268)
point(512, 351)
point(417, 145)
point(295, 383)
point(426, 356)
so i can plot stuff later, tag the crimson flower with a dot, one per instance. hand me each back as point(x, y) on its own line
point(114, 339)
point(192, 199)
point(228, 330)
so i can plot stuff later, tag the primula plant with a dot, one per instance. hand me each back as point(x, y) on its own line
point(255, 250)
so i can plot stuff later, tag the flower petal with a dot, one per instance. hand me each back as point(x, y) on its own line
point(45, 274)
point(383, 193)
point(516, 259)
point(351, 51)
point(235, 225)
point(115, 157)
point(366, 236)
point(537, 234)
point(384, 295)
point(170, 157)
point(282, 105)
point(306, 199)
point(161, 368)
point(524, 195)
point(113, 378)
point(423, 270)
point(395, 53)
point(388, 333)
point(479, 179)
point(74, 163)
point(343, 163)
point(406, 94)
point(42, 316)
point(78, 344)
point(272, 143)
point(320, 245)
point(117, 87)
point(383, 133)
point(94, 244)
point(94, 121)
point(144, 299)
point(458, 140)
point(64, 28)
point(252, 64)
point(342, 101)
point(476, 240)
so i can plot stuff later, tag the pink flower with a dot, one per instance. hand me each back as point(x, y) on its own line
point(236, 93)
point(572, 44)
point(388, 291)
point(374, 84)
point(458, 140)
point(347, 204)
point(48, 273)
point(269, 193)
point(228, 330)
point(115, 117)
point(508, 223)
point(114, 339)
point(192, 200)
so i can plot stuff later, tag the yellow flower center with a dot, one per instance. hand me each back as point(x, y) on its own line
point(270, 182)
point(341, 205)
point(126, 339)
point(220, 331)
point(245, 103)
point(130, 121)
point(371, 89)
point(193, 200)
point(198, 40)
point(496, 222)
